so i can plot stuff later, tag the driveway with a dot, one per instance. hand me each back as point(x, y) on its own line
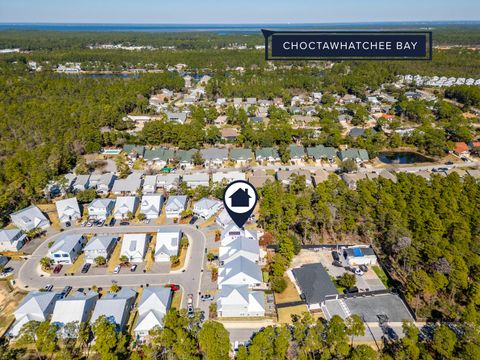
point(30, 277)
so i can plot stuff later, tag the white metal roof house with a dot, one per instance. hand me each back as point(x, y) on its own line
point(175, 205)
point(101, 245)
point(125, 206)
point(129, 185)
point(100, 209)
point(206, 207)
point(194, 180)
point(68, 210)
point(240, 271)
point(74, 308)
point(223, 219)
point(232, 231)
point(150, 184)
point(151, 206)
point(37, 306)
point(229, 176)
point(66, 249)
point(239, 301)
point(168, 242)
point(153, 306)
point(30, 218)
point(241, 246)
point(134, 247)
point(115, 307)
point(11, 239)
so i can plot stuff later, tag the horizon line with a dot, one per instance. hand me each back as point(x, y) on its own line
point(235, 24)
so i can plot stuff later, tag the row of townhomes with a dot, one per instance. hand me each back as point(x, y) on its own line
point(220, 157)
point(68, 312)
point(239, 276)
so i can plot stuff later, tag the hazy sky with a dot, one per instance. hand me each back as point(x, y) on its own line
point(238, 11)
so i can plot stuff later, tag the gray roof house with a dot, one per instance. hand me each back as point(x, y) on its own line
point(198, 179)
point(36, 306)
point(66, 249)
point(315, 284)
point(214, 157)
point(30, 218)
point(11, 239)
point(129, 185)
point(115, 307)
point(351, 179)
point(175, 205)
point(168, 181)
point(105, 183)
point(101, 245)
point(68, 210)
point(179, 117)
point(81, 183)
point(149, 184)
point(356, 132)
point(241, 156)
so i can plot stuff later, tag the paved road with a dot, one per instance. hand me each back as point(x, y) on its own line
point(395, 167)
point(29, 276)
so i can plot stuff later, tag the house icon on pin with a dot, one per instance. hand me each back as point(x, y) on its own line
point(240, 198)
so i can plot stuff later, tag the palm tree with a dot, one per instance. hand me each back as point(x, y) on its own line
point(45, 262)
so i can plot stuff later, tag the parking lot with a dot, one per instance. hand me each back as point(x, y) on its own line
point(370, 307)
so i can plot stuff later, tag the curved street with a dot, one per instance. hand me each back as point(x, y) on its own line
point(30, 277)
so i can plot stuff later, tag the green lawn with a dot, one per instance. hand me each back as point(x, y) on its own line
point(382, 276)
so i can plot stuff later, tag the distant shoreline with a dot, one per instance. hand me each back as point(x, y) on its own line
point(111, 27)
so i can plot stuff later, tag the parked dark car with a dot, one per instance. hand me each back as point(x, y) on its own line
point(85, 268)
point(124, 223)
point(193, 219)
point(335, 256)
point(65, 291)
point(57, 269)
point(112, 222)
point(352, 290)
point(364, 268)
point(190, 311)
point(337, 263)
